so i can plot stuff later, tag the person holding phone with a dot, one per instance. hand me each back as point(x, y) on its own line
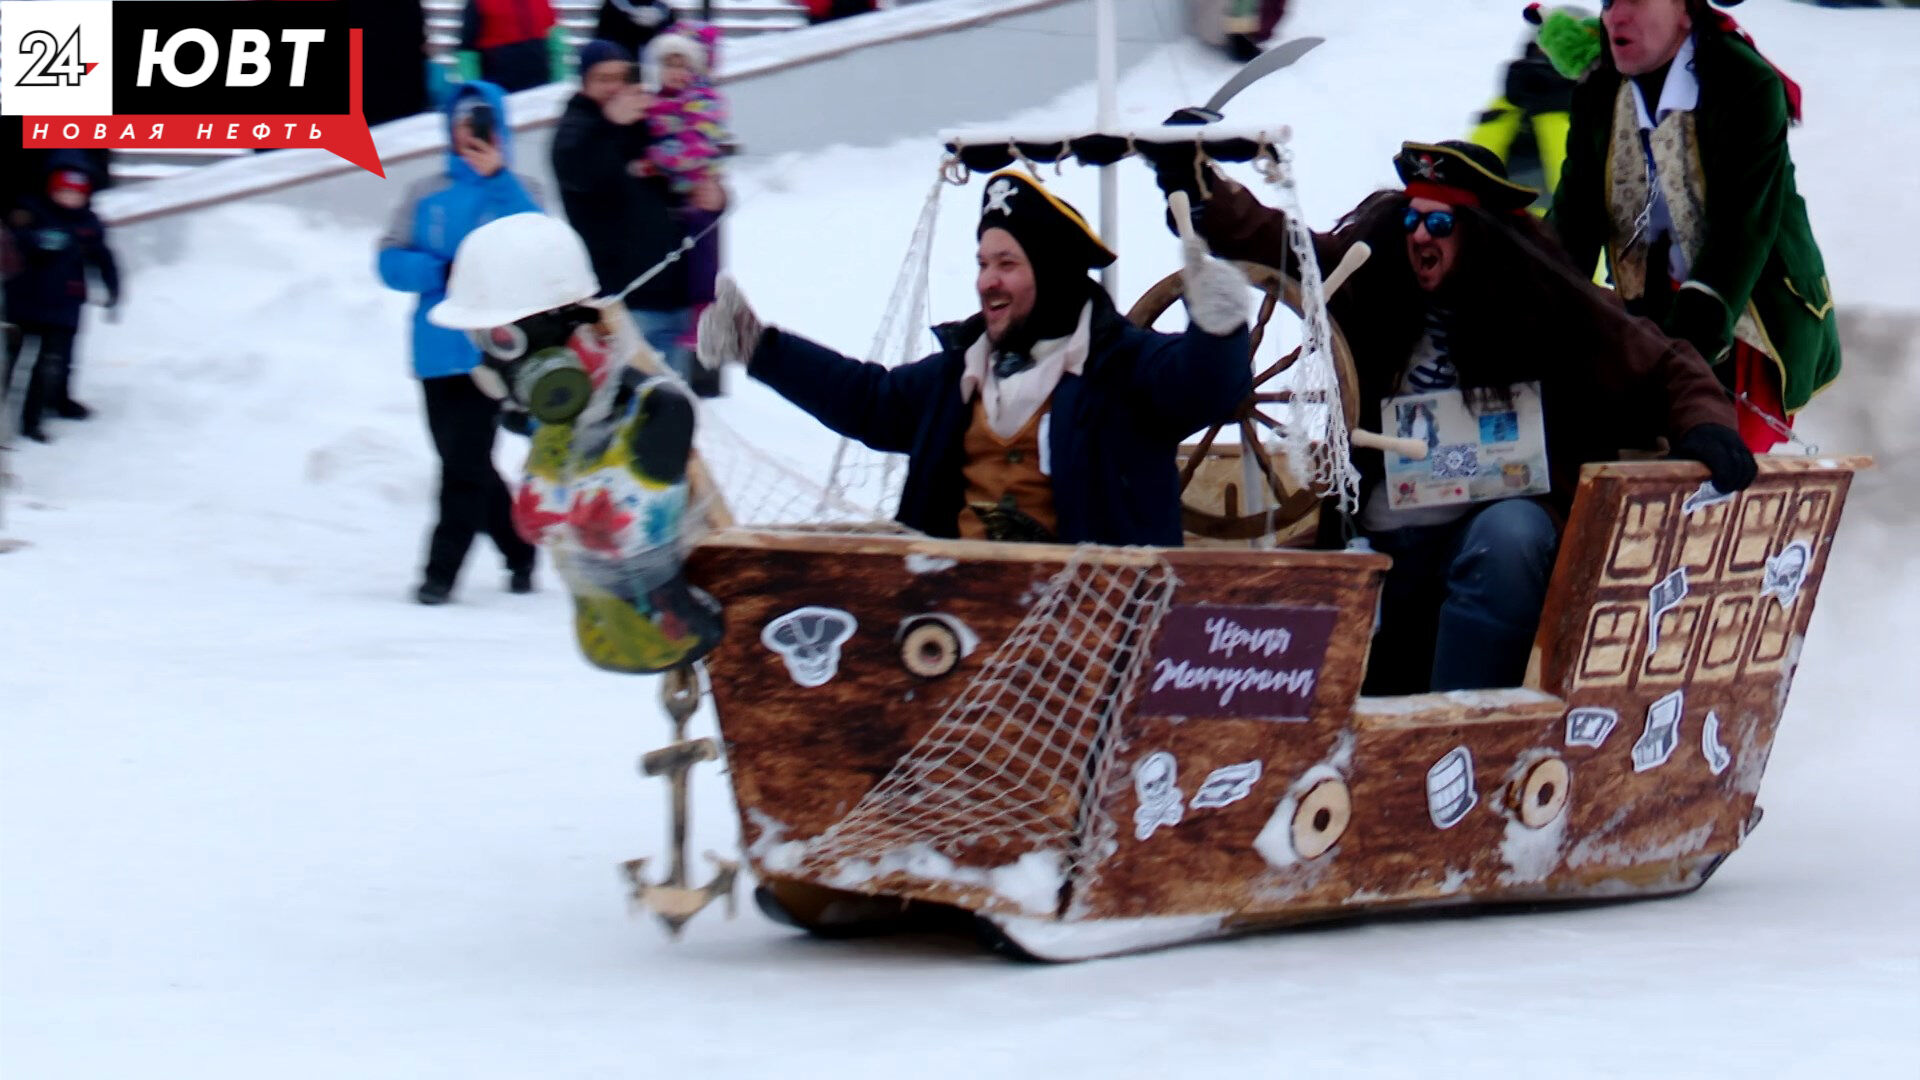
point(416, 256)
point(622, 210)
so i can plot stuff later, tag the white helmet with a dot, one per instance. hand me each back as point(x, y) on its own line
point(517, 266)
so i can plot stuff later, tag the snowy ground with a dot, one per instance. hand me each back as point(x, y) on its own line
point(260, 816)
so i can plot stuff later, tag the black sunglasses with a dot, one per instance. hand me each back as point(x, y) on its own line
point(1439, 222)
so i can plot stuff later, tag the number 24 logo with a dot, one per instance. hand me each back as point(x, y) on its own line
point(55, 63)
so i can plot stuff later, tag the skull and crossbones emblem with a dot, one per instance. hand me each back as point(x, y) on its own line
point(999, 194)
point(1161, 803)
point(1786, 572)
point(808, 639)
point(1426, 167)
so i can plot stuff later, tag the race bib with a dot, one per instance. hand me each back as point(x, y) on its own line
point(1496, 452)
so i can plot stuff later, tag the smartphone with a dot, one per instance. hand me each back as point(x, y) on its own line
point(481, 121)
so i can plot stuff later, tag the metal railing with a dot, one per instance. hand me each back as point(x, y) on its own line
point(735, 18)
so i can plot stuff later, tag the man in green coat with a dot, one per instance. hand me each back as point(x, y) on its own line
point(1677, 167)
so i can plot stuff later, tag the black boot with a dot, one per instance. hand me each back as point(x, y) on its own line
point(706, 381)
point(433, 593)
point(31, 408)
point(56, 377)
point(68, 409)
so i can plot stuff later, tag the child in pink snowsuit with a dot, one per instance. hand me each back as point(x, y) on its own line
point(688, 121)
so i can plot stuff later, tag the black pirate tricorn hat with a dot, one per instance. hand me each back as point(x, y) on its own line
point(1047, 228)
point(1460, 174)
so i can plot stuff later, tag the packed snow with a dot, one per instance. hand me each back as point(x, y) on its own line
point(262, 816)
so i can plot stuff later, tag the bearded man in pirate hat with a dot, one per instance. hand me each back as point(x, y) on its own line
point(1678, 169)
point(1046, 415)
point(1466, 293)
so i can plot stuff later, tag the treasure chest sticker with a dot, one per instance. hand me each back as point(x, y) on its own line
point(1590, 726)
point(1450, 790)
point(1249, 661)
point(1662, 732)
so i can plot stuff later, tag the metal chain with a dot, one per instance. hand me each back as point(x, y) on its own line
point(1779, 428)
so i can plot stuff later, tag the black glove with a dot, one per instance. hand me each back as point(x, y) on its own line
point(1178, 167)
point(1699, 319)
point(1722, 451)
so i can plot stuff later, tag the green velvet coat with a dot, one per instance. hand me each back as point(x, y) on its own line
point(1756, 252)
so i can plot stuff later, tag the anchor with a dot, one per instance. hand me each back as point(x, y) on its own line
point(673, 900)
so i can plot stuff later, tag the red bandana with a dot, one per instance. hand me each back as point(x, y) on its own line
point(1452, 196)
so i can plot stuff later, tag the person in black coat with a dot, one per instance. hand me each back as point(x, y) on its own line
point(626, 219)
point(632, 24)
point(1047, 416)
point(58, 238)
point(24, 169)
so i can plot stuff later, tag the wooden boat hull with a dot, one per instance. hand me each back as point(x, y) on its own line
point(1628, 766)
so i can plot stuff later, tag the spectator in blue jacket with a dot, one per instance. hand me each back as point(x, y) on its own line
point(416, 256)
point(1047, 416)
point(58, 239)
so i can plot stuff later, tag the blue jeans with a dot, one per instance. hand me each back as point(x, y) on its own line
point(1460, 607)
point(664, 330)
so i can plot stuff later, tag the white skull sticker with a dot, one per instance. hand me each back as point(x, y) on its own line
point(1160, 802)
point(998, 195)
point(1785, 573)
point(809, 640)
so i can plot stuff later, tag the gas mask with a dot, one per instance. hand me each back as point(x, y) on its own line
point(535, 363)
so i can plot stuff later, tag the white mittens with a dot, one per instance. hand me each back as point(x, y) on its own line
point(1216, 290)
point(729, 330)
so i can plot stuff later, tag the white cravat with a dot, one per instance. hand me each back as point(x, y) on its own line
point(1680, 93)
point(1012, 401)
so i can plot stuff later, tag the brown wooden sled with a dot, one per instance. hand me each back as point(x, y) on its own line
point(1627, 766)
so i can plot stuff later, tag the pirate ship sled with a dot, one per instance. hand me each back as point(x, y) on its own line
point(1089, 751)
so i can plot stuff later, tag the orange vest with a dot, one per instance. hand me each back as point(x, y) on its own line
point(1005, 472)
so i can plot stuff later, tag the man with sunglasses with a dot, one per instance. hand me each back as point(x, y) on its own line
point(1678, 169)
point(1466, 293)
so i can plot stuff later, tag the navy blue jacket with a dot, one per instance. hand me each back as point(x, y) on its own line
point(1114, 437)
point(55, 246)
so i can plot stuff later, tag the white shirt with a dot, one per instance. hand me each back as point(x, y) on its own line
point(1680, 93)
point(1429, 370)
point(1011, 402)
